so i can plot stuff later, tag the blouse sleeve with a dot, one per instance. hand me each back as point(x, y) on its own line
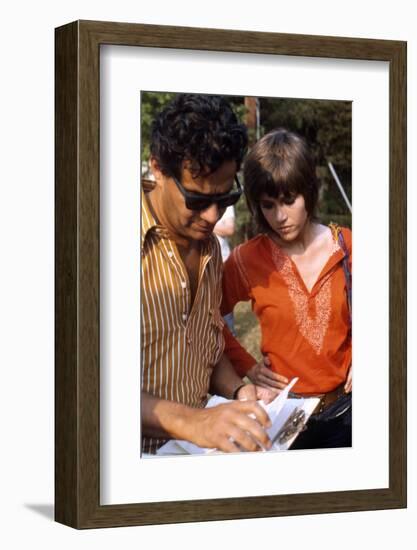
point(241, 360)
point(236, 289)
point(235, 283)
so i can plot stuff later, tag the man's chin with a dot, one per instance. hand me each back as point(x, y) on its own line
point(201, 234)
point(204, 237)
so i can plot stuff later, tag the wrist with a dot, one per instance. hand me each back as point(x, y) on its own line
point(251, 373)
point(235, 394)
point(181, 422)
point(190, 426)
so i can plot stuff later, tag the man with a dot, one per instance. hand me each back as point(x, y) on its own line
point(197, 146)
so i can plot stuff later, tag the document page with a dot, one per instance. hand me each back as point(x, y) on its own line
point(279, 411)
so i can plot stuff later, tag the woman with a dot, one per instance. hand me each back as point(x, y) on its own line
point(296, 273)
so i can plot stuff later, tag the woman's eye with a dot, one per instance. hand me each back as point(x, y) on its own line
point(289, 200)
point(266, 205)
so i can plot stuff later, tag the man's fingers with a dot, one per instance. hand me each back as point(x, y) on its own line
point(243, 439)
point(238, 425)
point(226, 445)
point(250, 435)
point(251, 407)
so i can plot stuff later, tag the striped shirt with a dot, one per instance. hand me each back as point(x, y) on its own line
point(181, 342)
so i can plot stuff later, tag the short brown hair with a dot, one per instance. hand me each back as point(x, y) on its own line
point(280, 165)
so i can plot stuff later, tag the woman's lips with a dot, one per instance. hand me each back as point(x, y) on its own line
point(285, 229)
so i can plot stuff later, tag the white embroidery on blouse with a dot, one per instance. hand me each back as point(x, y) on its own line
point(312, 315)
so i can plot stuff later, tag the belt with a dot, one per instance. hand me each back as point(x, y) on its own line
point(326, 399)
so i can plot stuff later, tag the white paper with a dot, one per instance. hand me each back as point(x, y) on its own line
point(279, 410)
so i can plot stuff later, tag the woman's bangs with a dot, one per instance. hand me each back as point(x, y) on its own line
point(280, 187)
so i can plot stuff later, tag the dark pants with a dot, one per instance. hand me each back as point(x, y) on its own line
point(326, 434)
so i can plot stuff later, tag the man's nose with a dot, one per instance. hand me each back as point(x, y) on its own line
point(211, 214)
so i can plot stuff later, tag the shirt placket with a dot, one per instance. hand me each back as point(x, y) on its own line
point(178, 269)
point(202, 270)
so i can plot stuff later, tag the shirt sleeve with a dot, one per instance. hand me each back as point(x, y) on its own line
point(236, 289)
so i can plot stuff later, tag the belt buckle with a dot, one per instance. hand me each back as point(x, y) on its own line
point(324, 399)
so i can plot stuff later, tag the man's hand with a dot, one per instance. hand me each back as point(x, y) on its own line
point(229, 427)
point(262, 375)
point(348, 384)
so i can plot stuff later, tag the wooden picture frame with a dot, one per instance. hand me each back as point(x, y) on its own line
point(77, 372)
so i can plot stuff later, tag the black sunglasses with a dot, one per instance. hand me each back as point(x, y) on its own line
point(201, 201)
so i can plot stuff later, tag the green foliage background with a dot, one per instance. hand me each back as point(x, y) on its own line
point(325, 124)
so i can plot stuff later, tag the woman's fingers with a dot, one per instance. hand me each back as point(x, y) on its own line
point(267, 361)
point(348, 384)
point(266, 393)
point(263, 376)
point(272, 379)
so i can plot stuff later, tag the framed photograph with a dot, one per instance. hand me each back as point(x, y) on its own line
point(107, 74)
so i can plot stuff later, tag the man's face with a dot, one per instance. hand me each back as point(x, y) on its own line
point(190, 224)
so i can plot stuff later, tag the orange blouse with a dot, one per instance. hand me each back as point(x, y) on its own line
point(304, 334)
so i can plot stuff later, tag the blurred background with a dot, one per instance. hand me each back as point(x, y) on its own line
point(327, 127)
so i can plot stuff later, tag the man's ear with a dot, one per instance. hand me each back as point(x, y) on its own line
point(156, 171)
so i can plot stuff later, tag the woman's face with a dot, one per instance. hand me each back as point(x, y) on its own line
point(287, 217)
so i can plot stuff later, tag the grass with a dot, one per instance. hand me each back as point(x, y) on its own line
point(247, 329)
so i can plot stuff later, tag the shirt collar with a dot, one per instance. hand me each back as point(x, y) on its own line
point(149, 223)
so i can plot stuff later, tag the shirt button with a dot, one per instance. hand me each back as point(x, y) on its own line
point(184, 316)
point(183, 284)
point(170, 253)
point(189, 340)
point(211, 311)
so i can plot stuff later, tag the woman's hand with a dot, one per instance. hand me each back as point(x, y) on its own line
point(251, 392)
point(262, 375)
point(348, 384)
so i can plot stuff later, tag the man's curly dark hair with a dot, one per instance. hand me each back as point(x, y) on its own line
point(200, 129)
